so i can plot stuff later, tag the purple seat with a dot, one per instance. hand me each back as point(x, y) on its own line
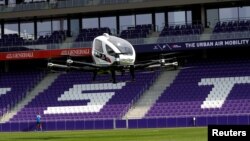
point(187, 101)
point(19, 83)
point(115, 107)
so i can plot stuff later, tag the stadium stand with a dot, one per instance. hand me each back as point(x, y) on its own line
point(212, 92)
point(181, 33)
point(15, 86)
point(218, 79)
point(177, 30)
point(232, 26)
point(13, 42)
point(139, 31)
point(102, 105)
point(53, 38)
point(88, 34)
point(224, 29)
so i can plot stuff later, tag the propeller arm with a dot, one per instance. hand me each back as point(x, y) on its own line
point(71, 62)
point(157, 63)
point(51, 65)
point(141, 66)
point(171, 64)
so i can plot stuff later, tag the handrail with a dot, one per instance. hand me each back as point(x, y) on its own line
point(61, 4)
point(154, 117)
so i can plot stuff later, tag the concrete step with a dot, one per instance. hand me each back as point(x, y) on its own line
point(141, 107)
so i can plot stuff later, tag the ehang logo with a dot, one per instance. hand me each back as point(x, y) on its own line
point(162, 47)
point(88, 92)
point(176, 46)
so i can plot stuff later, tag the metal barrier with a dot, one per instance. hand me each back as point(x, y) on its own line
point(58, 5)
point(161, 122)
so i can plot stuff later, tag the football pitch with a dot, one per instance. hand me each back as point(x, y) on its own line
point(166, 134)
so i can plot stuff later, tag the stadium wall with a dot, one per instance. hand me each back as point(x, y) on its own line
point(126, 124)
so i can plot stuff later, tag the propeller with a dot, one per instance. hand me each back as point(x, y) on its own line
point(69, 61)
point(170, 54)
point(50, 65)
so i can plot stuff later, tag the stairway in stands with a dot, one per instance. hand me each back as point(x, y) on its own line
point(140, 108)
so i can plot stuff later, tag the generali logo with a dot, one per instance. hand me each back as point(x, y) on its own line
point(76, 52)
point(20, 55)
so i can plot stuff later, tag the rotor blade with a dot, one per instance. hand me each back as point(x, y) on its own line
point(154, 66)
point(147, 61)
point(171, 53)
point(144, 65)
point(175, 64)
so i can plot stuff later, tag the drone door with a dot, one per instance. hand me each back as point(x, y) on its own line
point(110, 53)
point(98, 52)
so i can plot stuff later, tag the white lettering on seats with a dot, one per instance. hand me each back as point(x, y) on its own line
point(4, 90)
point(97, 99)
point(222, 88)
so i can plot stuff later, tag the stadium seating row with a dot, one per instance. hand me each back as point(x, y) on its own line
point(207, 90)
point(80, 98)
point(14, 87)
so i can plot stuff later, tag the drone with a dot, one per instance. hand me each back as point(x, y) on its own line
point(113, 54)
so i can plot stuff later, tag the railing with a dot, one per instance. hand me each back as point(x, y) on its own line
point(190, 38)
point(156, 122)
point(138, 41)
point(213, 23)
point(62, 4)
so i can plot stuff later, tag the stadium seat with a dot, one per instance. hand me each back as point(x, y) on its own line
point(197, 83)
point(84, 99)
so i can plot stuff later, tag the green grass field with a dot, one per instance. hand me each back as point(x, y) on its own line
point(169, 134)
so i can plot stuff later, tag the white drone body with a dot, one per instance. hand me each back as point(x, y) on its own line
point(107, 50)
point(113, 54)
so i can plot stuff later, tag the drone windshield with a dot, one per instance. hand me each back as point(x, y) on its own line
point(124, 46)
